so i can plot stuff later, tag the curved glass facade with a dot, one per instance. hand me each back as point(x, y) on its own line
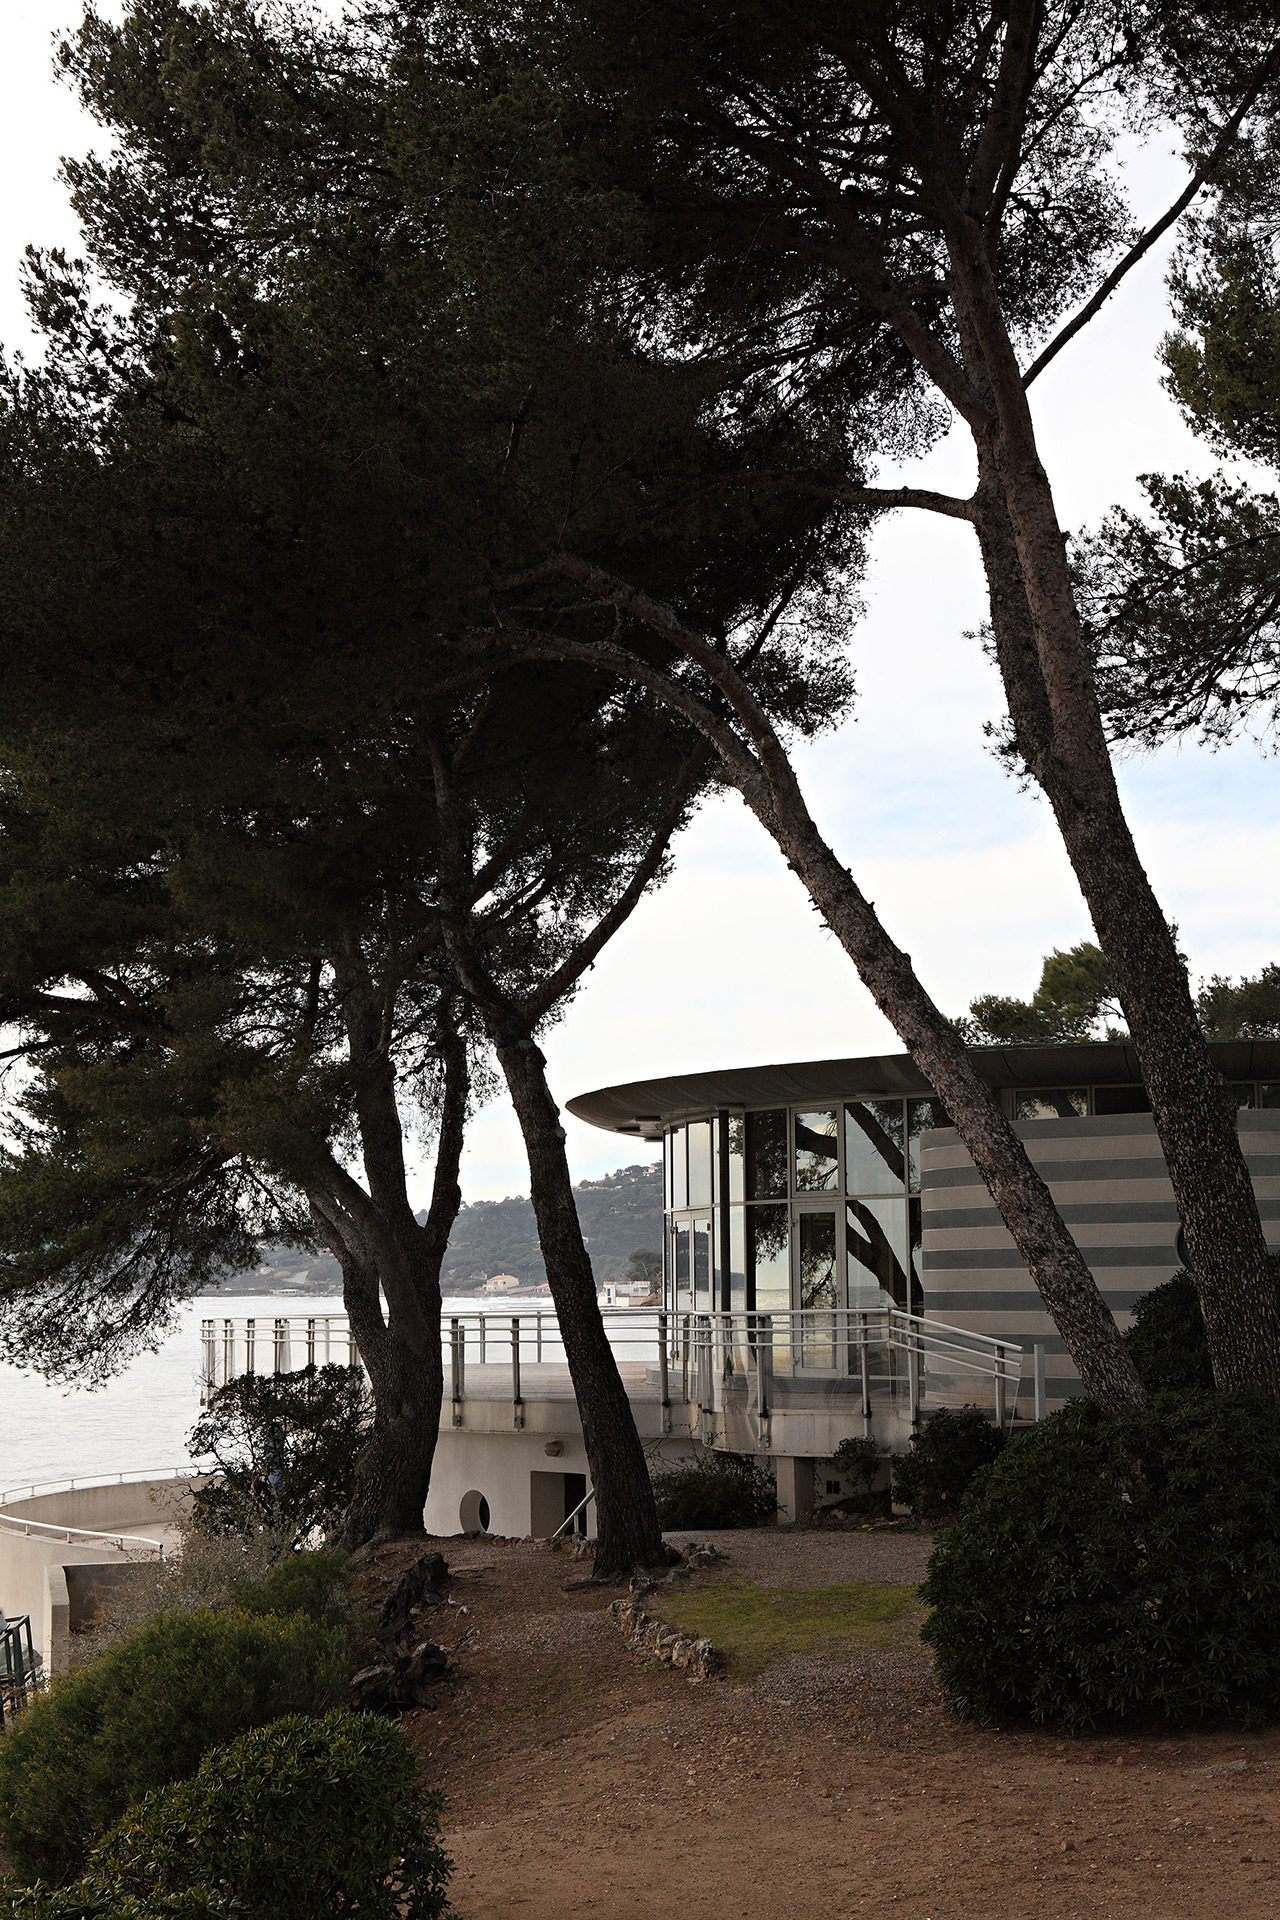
point(797, 1207)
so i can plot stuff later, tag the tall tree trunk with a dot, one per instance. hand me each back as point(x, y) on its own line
point(1026, 1206)
point(758, 766)
point(627, 1531)
point(1060, 736)
point(383, 1250)
point(393, 1476)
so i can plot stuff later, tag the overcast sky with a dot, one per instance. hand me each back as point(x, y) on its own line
point(727, 965)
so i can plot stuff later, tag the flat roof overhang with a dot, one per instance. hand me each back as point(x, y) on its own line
point(645, 1107)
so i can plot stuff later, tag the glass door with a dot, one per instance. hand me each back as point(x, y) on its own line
point(816, 1286)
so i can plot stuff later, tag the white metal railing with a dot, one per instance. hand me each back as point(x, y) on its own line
point(53, 1530)
point(706, 1360)
point(127, 1479)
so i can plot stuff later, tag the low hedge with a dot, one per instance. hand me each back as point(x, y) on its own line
point(305, 1819)
point(142, 1715)
point(1116, 1564)
point(715, 1490)
point(945, 1453)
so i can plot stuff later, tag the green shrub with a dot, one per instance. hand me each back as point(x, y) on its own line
point(305, 1819)
point(948, 1450)
point(142, 1714)
point(1112, 1564)
point(858, 1459)
point(715, 1490)
point(285, 1446)
point(1167, 1338)
point(310, 1583)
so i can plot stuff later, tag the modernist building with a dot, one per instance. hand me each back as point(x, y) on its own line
point(840, 1184)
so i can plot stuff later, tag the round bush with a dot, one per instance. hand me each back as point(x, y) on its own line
point(143, 1714)
point(305, 1819)
point(716, 1490)
point(310, 1583)
point(1117, 1564)
point(948, 1450)
point(1167, 1338)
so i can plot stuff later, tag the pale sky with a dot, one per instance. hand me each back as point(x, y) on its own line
point(727, 965)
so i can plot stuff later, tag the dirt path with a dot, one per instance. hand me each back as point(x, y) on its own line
point(580, 1780)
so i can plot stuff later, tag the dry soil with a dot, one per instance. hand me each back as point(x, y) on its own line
point(580, 1780)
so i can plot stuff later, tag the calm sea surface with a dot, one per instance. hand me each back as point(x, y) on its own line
point(143, 1417)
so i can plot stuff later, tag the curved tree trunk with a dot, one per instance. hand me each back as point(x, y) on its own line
point(627, 1531)
point(1059, 736)
point(384, 1252)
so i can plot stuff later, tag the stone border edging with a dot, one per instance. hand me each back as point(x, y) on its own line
point(655, 1640)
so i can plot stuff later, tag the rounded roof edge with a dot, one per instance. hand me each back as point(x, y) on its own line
point(644, 1107)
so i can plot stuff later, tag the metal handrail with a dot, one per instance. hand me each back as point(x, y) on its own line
point(571, 1517)
point(131, 1477)
point(14, 1523)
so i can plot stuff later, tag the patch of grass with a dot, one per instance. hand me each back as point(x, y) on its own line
point(756, 1626)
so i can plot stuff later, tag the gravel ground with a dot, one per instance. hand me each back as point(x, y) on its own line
point(774, 1557)
point(580, 1780)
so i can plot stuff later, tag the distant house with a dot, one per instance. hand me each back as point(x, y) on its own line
point(501, 1283)
point(626, 1293)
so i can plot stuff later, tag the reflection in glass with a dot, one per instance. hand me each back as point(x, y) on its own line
point(1121, 1100)
point(768, 1267)
point(1242, 1093)
point(873, 1143)
point(737, 1261)
point(679, 1168)
point(767, 1154)
point(769, 1271)
point(818, 1151)
point(702, 1267)
point(700, 1163)
point(921, 1116)
point(681, 1265)
point(1271, 1095)
point(819, 1282)
point(737, 1156)
point(1052, 1103)
point(876, 1252)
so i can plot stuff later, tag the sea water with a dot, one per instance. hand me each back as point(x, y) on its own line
point(142, 1417)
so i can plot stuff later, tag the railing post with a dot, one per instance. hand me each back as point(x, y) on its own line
point(999, 1386)
point(1037, 1353)
point(311, 1341)
point(250, 1344)
point(664, 1380)
point(517, 1404)
point(913, 1377)
point(539, 1318)
point(764, 1377)
point(457, 1361)
point(865, 1357)
point(483, 1331)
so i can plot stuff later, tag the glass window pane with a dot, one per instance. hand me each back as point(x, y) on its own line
point(818, 1260)
point(682, 1266)
point(921, 1116)
point(1271, 1095)
point(679, 1169)
point(1054, 1103)
point(818, 1151)
point(877, 1253)
point(768, 1262)
point(1121, 1100)
point(873, 1143)
point(767, 1154)
point(1245, 1093)
point(702, 1267)
point(737, 1260)
point(737, 1156)
point(700, 1163)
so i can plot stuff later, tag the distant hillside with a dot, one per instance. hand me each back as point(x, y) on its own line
point(619, 1213)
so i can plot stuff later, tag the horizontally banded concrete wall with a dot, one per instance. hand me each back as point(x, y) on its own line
point(1109, 1181)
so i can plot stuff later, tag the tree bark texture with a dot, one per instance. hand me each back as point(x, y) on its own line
point(1061, 739)
point(382, 1247)
point(627, 1531)
point(758, 766)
